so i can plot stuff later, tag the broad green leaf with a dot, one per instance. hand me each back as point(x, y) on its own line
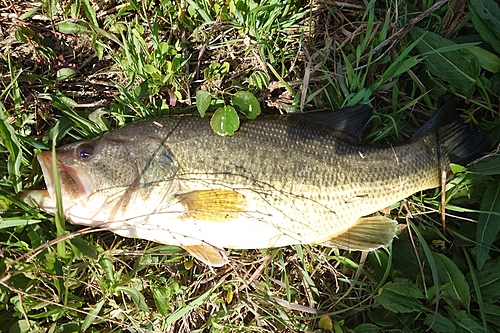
point(84, 247)
point(398, 303)
point(107, 267)
point(488, 166)
point(203, 99)
point(404, 287)
point(98, 47)
point(493, 314)
point(489, 281)
point(400, 296)
point(35, 234)
point(71, 28)
point(383, 317)
point(160, 296)
point(485, 29)
point(65, 100)
point(65, 73)
point(404, 257)
point(246, 103)
point(488, 225)
point(487, 60)
point(464, 321)
point(449, 272)
point(225, 121)
point(439, 323)
point(488, 10)
point(367, 328)
point(142, 90)
point(151, 70)
point(136, 296)
point(458, 67)
point(224, 68)
point(456, 168)
point(22, 326)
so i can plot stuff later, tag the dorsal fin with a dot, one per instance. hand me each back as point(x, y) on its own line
point(350, 120)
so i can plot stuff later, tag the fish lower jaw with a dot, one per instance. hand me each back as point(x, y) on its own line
point(41, 198)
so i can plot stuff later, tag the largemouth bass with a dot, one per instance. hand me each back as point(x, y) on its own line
point(280, 180)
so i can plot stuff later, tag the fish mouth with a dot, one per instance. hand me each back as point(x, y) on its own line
point(73, 183)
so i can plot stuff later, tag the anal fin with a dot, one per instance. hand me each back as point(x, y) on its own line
point(207, 254)
point(368, 234)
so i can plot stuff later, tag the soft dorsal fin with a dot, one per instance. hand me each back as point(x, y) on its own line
point(350, 120)
point(207, 254)
point(213, 205)
point(368, 234)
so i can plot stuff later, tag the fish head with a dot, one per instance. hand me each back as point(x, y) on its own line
point(106, 180)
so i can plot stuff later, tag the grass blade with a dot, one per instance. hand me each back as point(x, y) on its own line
point(477, 289)
point(59, 217)
point(10, 141)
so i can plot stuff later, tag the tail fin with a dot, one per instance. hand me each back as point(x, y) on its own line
point(459, 142)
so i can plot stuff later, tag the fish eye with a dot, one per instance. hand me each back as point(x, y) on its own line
point(84, 151)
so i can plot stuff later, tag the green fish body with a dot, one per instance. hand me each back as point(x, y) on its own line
point(280, 180)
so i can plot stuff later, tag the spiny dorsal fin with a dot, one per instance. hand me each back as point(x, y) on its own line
point(349, 120)
point(207, 254)
point(213, 205)
point(368, 234)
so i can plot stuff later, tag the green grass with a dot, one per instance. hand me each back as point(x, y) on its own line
point(80, 68)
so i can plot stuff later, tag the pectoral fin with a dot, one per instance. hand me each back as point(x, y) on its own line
point(207, 254)
point(368, 234)
point(213, 205)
